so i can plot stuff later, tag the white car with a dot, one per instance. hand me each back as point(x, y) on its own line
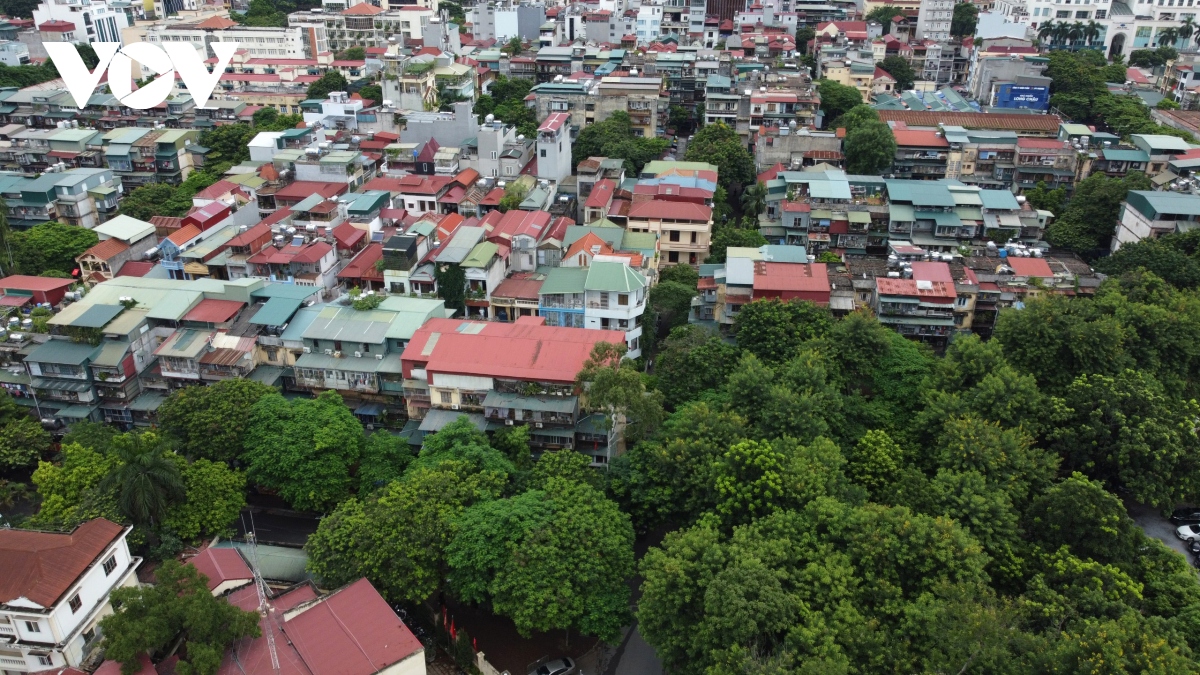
point(1188, 532)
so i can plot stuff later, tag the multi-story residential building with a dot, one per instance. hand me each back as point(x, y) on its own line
point(122, 239)
point(504, 20)
point(933, 19)
point(259, 42)
point(920, 155)
point(684, 229)
point(605, 294)
point(920, 307)
point(750, 274)
point(1046, 160)
point(1149, 215)
point(554, 148)
point(359, 25)
point(1162, 149)
point(357, 353)
point(13, 53)
point(87, 197)
point(449, 370)
point(55, 590)
point(99, 21)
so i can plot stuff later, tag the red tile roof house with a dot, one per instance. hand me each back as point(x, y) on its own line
point(456, 362)
point(351, 631)
point(58, 584)
point(225, 569)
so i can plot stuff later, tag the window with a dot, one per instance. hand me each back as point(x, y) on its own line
point(75, 603)
point(543, 152)
point(1081, 15)
point(674, 235)
point(45, 661)
point(337, 345)
point(1063, 14)
point(673, 256)
point(32, 627)
point(623, 299)
point(110, 564)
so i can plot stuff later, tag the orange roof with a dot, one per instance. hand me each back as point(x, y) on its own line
point(268, 172)
point(216, 23)
point(1030, 267)
point(363, 9)
point(106, 249)
point(590, 243)
point(914, 137)
point(183, 235)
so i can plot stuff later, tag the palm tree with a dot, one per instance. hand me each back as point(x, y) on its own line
point(1046, 30)
point(1062, 31)
point(1187, 29)
point(1168, 36)
point(1092, 31)
point(1075, 31)
point(754, 199)
point(1118, 59)
point(147, 482)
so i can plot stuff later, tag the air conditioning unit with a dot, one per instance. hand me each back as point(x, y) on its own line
point(508, 422)
point(538, 425)
point(337, 355)
point(454, 406)
point(308, 350)
point(358, 355)
point(328, 352)
point(379, 357)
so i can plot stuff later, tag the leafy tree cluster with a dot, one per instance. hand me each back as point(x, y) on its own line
point(843, 501)
point(1078, 86)
point(542, 546)
point(966, 16)
point(837, 99)
point(137, 478)
point(149, 618)
point(884, 14)
point(506, 100)
point(1086, 223)
point(870, 144)
point(47, 249)
point(1173, 257)
point(718, 144)
point(1152, 58)
point(614, 138)
point(900, 69)
point(331, 81)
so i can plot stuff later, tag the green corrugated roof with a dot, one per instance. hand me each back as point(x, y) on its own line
point(639, 241)
point(613, 276)
point(564, 280)
point(999, 199)
point(481, 255)
point(97, 316)
point(147, 401)
point(901, 213)
point(111, 353)
point(63, 352)
point(940, 217)
point(1119, 155)
point(859, 217)
point(558, 404)
point(276, 311)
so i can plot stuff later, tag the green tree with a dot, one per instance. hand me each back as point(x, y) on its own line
point(352, 54)
point(855, 117)
point(1082, 515)
point(718, 144)
point(1163, 257)
point(837, 99)
point(146, 481)
point(966, 16)
point(372, 92)
point(329, 82)
point(146, 202)
point(883, 14)
point(613, 137)
point(1043, 198)
point(384, 458)
point(773, 329)
point(870, 148)
point(900, 69)
point(23, 441)
point(211, 422)
point(50, 246)
point(513, 46)
point(727, 236)
point(149, 618)
point(805, 35)
point(261, 13)
point(754, 199)
point(303, 448)
point(672, 302)
point(397, 536)
point(216, 495)
point(1126, 431)
point(875, 461)
point(227, 143)
point(549, 559)
point(1087, 222)
point(690, 361)
point(563, 465)
point(613, 385)
point(69, 490)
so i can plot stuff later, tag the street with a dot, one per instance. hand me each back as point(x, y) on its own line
point(634, 657)
point(278, 527)
point(1155, 525)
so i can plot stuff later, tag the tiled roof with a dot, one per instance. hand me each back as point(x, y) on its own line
point(106, 250)
point(221, 565)
point(1030, 267)
point(781, 276)
point(362, 9)
point(997, 121)
point(183, 235)
point(41, 566)
point(216, 23)
point(211, 310)
point(671, 210)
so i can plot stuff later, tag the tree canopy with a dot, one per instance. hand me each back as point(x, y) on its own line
point(719, 145)
point(614, 138)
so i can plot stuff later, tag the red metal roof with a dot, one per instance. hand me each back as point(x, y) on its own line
point(517, 223)
point(221, 565)
point(602, 193)
point(347, 235)
point(351, 632)
point(931, 271)
point(42, 566)
point(520, 286)
point(136, 268)
point(1030, 267)
point(211, 310)
point(56, 26)
point(531, 349)
point(308, 253)
point(217, 190)
point(362, 266)
point(918, 138)
point(302, 189)
point(671, 210)
point(937, 289)
point(248, 237)
point(21, 282)
point(554, 122)
point(779, 276)
point(362, 9)
point(1042, 143)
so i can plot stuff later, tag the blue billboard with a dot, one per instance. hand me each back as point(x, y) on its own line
point(1017, 96)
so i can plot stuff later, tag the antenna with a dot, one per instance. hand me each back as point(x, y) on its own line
point(264, 608)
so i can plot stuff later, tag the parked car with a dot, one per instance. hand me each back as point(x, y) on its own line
point(563, 666)
point(1190, 514)
point(1188, 532)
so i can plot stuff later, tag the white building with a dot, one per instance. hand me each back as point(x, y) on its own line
point(649, 21)
point(266, 42)
point(14, 53)
point(554, 148)
point(933, 19)
point(1147, 214)
point(615, 299)
point(54, 589)
point(95, 20)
